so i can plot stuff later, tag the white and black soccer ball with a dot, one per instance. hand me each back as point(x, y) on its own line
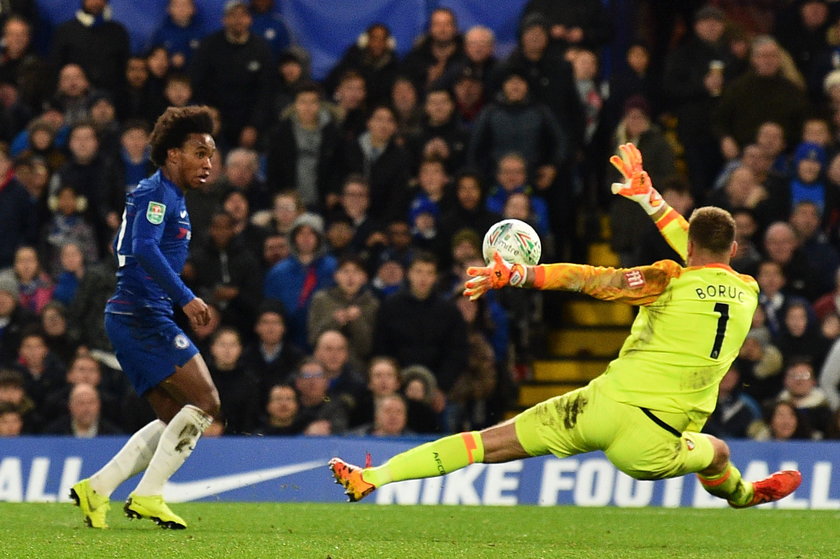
point(514, 240)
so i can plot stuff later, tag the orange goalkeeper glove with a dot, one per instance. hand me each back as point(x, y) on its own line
point(637, 185)
point(495, 276)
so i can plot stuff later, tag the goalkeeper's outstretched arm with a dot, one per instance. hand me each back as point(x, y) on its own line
point(638, 187)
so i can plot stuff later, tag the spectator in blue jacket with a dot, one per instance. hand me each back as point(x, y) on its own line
point(294, 280)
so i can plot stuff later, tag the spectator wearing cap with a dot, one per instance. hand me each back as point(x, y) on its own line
point(808, 182)
point(374, 56)
point(179, 33)
point(637, 127)
point(293, 70)
point(583, 23)
point(294, 280)
point(549, 76)
point(97, 44)
point(695, 75)
point(469, 94)
point(738, 117)
point(232, 71)
point(516, 122)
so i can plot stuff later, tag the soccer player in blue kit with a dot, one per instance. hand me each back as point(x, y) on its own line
point(161, 362)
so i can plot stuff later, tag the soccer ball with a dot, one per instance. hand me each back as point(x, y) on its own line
point(515, 240)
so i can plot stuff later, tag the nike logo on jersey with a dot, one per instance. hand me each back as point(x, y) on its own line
point(183, 214)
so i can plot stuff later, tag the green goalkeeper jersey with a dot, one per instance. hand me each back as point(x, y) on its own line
point(683, 342)
point(690, 327)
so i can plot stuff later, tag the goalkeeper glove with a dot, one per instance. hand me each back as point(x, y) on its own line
point(495, 276)
point(637, 185)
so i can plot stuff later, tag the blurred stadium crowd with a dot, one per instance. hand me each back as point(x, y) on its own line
point(332, 238)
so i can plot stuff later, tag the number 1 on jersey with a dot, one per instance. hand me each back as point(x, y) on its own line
point(723, 309)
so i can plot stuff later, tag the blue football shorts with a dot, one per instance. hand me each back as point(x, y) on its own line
point(148, 348)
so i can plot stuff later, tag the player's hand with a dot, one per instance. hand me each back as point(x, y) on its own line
point(198, 312)
point(495, 276)
point(637, 185)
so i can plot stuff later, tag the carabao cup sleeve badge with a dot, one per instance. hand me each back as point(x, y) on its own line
point(155, 212)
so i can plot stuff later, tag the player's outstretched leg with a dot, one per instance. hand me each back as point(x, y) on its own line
point(742, 494)
point(436, 458)
point(350, 477)
point(94, 506)
point(772, 488)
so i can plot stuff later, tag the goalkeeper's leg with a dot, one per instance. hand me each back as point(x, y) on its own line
point(722, 479)
point(436, 458)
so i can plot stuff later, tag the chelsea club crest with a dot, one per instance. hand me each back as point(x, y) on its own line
point(181, 341)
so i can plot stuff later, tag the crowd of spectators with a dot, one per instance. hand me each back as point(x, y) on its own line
point(332, 237)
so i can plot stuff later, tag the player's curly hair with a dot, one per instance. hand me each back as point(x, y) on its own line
point(173, 127)
point(712, 228)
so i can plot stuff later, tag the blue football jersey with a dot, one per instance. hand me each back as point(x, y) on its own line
point(151, 248)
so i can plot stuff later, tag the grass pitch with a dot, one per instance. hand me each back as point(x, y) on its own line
point(361, 531)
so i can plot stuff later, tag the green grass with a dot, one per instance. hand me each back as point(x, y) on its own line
point(361, 531)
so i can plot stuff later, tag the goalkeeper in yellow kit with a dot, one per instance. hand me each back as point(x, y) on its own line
point(646, 410)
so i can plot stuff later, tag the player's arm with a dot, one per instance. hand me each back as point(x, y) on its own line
point(638, 187)
point(147, 232)
point(639, 286)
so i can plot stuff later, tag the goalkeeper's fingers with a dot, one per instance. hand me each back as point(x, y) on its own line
point(477, 287)
point(477, 271)
point(632, 157)
point(618, 163)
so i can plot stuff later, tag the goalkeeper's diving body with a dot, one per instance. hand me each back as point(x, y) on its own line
point(161, 362)
point(646, 410)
